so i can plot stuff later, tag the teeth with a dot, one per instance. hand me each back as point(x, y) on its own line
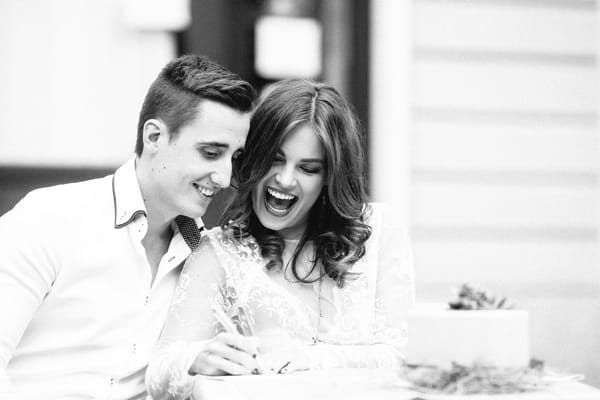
point(207, 192)
point(280, 195)
point(275, 210)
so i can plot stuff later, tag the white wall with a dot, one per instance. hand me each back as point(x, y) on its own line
point(73, 75)
point(503, 158)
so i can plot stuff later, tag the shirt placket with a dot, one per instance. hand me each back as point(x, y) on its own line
point(142, 298)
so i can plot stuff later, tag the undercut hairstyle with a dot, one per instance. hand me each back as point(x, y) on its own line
point(336, 222)
point(182, 84)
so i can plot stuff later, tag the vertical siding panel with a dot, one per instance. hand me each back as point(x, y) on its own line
point(504, 166)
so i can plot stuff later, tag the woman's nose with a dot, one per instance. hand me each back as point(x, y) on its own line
point(286, 177)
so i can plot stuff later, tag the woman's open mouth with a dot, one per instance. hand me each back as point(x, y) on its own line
point(279, 203)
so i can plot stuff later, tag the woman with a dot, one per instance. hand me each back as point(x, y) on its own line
point(307, 270)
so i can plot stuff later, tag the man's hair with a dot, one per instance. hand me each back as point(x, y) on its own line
point(180, 87)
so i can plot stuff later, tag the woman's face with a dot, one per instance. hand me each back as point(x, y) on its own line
point(284, 196)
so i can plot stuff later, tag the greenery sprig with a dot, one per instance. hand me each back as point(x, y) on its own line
point(482, 379)
point(470, 297)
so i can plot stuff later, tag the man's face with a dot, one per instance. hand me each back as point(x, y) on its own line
point(187, 171)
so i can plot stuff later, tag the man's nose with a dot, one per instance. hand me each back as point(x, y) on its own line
point(221, 176)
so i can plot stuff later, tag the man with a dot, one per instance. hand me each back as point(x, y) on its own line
point(87, 270)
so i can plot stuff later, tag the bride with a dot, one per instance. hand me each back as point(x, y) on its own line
point(310, 274)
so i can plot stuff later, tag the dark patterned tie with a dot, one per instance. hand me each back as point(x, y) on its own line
point(189, 230)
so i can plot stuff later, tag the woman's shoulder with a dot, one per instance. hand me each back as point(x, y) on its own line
point(374, 208)
point(226, 240)
point(228, 236)
point(384, 214)
point(373, 212)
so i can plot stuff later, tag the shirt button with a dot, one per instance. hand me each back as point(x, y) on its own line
point(112, 380)
point(146, 301)
point(134, 348)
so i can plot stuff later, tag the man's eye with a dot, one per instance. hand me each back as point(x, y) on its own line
point(210, 153)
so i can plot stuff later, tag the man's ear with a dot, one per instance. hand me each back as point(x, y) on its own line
point(155, 131)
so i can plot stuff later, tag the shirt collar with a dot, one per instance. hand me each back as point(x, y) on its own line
point(128, 199)
point(127, 196)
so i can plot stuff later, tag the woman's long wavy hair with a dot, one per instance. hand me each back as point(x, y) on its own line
point(336, 222)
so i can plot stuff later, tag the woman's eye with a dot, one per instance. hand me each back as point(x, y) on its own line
point(310, 170)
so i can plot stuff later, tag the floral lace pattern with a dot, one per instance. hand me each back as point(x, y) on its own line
point(252, 298)
point(362, 324)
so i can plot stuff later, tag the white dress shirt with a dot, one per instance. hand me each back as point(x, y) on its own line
point(79, 313)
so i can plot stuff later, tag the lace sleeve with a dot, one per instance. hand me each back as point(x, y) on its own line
point(189, 324)
point(394, 296)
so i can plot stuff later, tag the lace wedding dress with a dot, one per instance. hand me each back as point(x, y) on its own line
point(362, 324)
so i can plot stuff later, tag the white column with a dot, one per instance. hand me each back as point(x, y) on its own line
point(73, 76)
point(391, 102)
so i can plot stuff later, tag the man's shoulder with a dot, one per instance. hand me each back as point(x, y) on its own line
point(67, 197)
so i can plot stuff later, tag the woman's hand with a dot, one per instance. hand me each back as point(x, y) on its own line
point(227, 354)
point(285, 360)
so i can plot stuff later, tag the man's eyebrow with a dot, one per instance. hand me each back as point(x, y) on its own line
point(216, 144)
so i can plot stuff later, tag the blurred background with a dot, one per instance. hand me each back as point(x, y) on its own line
point(481, 116)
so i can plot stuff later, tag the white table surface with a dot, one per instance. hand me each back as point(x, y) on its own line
point(354, 384)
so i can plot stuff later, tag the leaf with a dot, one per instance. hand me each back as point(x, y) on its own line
point(501, 303)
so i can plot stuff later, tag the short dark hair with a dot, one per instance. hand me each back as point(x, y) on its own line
point(182, 84)
point(336, 223)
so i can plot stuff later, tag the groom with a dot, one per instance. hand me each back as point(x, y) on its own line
point(87, 270)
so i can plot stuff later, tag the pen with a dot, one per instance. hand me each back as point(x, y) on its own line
point(283, 367)
point(225, 321)
point(230, 327)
